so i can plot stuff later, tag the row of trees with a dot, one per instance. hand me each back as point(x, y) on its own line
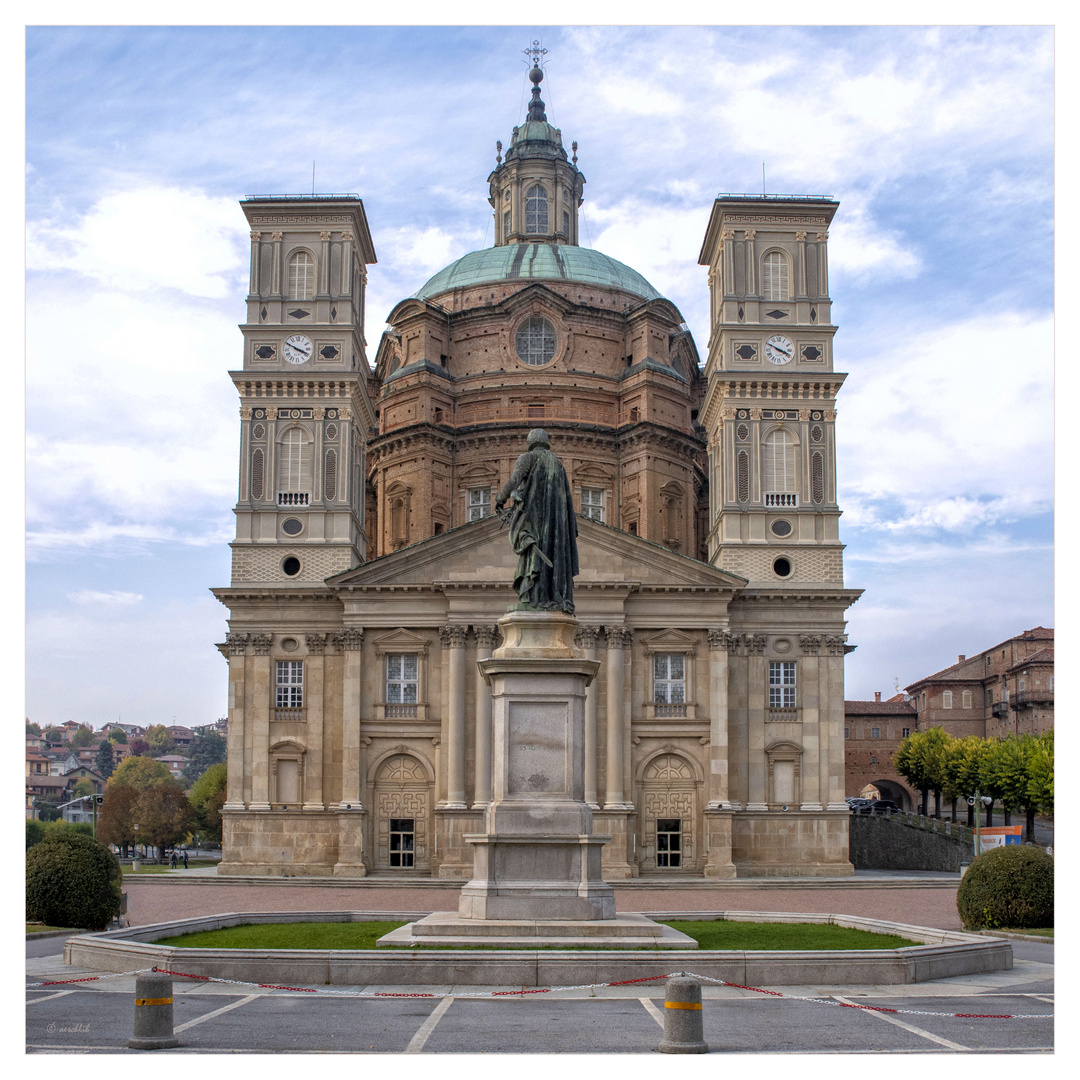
point(1017, 771)
point(143, 792)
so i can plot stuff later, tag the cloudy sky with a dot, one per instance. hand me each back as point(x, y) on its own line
point(937, 142)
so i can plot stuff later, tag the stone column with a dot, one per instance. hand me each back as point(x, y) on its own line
point(751, 264)
point(719, 643)
point(234, 790)
point(314, 678)
point(831, 727)
point(800, 267)
point(809, 689)
point(259, 700)
point(485, 642)
point(586, 639)
point(618, 640)
point(253, 290)
point(323, 287)
point(757, 797)
point(823, 266)
point(275, 274)
point(453, 642)
point(351, 643)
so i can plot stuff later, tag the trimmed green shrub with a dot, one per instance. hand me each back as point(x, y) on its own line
point(72, 880)
point(1008, 887)
point(35, 832)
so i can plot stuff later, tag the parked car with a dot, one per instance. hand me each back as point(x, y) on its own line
point(883, 806)
point(860, 806)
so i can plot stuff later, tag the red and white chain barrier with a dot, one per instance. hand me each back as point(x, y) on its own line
point(544, 989)
point(524, 991)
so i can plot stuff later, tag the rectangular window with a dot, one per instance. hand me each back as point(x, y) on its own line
point(592, 503)
point(967, 699)
point(669, 679)
point(479, 503)
point(668, 842)
point(401, 678)
point(875, 733)
point(506, 225)
point(847, 733)
point(1022, 685)
point(989, 697)
point(905, 732)
point(402, 842)
point(1051, 684)
point(290, 684)
point(946, 699)
point(781, 684)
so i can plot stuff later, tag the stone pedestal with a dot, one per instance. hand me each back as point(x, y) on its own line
point(536, 867)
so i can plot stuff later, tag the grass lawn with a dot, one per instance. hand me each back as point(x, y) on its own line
point(164, 868)
point(708, 935)
point(1027, 930)
point(37, 928)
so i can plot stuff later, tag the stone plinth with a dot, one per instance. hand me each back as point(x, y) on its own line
point(537, 858)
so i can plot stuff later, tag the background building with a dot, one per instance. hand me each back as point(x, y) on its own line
point(872, 733)
point(368, 572)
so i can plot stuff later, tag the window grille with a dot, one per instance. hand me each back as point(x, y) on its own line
point(506, 225)
point(290, 684)
point(742, 433)
point(292, 460)
point(905, 732)
point(479, 503)
point(536, 210)
point(566, 224)
point(816, 433)
point(774, 277)
point(301, 276)
point(331, 432)
point(592, 503)
point(401, 678)
point(668, 842)
point(817, 477)
point(330, 486)
point(669, 679)
point(743, 476)
point(402, 843)
point(257, 474)
point(535, 341)
point(875, 733)
point(781, 684)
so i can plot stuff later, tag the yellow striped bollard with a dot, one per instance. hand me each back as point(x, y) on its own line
point(683, 1030)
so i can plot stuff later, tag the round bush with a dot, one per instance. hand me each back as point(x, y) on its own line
point(1006, 887)
point(72, 880)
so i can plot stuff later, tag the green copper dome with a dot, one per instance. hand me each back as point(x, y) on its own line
point(538, 262)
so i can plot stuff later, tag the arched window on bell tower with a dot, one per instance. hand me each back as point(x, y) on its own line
point(301, 276)
point(536, 210)
point(294, 469)
point(779, 483)
point(774, 277)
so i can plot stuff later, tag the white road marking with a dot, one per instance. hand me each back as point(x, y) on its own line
point(907, 1027)
point(652, 1010)
point(49, 997)
point(416, 1043)
point(216, 1012)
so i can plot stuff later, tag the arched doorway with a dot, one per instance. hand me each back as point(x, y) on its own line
point(402, 805)
point(669, 816)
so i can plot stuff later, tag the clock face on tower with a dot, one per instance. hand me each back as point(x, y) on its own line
point(778, 350)
point(297, 349)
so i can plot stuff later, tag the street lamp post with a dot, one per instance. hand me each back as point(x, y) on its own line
point(973, 800)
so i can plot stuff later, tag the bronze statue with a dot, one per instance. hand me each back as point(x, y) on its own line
point(543, 528)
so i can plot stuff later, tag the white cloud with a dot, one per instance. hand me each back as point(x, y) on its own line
point(951, 427)
point(147, 238)
point(105, 599)
point(860, 247)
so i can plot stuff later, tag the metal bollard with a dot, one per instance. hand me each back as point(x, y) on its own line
point(683, 1031)
point(153, 1014)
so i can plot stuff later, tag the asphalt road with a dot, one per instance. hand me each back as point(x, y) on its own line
point(609, 1020)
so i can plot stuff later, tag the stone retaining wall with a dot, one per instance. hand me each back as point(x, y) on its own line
point(908, 842)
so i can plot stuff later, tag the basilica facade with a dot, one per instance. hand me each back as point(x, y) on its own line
point(369, 571)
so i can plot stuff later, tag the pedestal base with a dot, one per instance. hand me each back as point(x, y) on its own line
point(620, 932)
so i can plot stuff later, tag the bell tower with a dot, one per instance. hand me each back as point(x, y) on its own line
point(305, 402)
point(536, 191)
point(770, 407)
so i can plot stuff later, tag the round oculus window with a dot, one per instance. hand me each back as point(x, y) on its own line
point(782, 567)
point(293, 526)
point(290, 566)
point(779, 528)
point(535, 341)
point(289, 644)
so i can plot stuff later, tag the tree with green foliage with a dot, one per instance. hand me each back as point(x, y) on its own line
point(1011, 762)
point(104, 759)
point(207, 796)
point(83, 828)
point(160, 740)
point(35, 832)
point(46, 809)
point(1041, 773)
point(1009, 887)
point(973, 748)
point(31, 728)
point(920, 759)
point(72, 880)
point(82, 787)
point(952, 769)
point(118, 735)
point(164, 816)
point(207, 748)
point(140, 773)
point(54, 735)
point(82, 737)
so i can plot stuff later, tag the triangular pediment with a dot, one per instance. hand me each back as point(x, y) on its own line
point(479, 554)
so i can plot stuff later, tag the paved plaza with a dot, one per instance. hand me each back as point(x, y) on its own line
point(1005, 1011)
